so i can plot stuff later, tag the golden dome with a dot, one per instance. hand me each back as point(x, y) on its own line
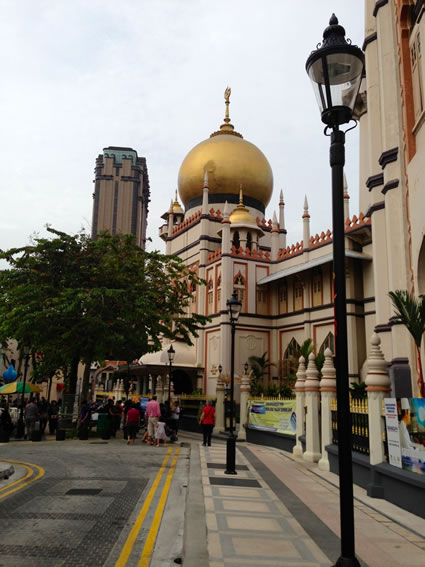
point(230, 162)
point(241, 215)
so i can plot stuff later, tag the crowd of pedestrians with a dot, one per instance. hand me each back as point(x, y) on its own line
point(37, 414)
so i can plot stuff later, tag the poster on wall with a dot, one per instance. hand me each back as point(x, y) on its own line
point(411, 433)
point(393, 433)
point(278, 416)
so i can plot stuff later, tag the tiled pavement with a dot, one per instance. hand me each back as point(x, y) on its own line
point(280, 511)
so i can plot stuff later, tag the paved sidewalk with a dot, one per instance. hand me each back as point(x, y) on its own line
point(279, 510)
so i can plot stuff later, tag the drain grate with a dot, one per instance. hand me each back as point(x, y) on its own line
point(84, 491)
point(235, 482)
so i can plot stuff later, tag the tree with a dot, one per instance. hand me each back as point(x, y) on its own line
point(92, 299)
point(410, 312)
point(259, 367)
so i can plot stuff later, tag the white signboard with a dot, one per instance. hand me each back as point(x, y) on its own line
point(393, 433)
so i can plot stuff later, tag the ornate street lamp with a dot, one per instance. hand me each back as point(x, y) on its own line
point(234, 307)
point(20, 430)
point(336, 69)
point(171, 354)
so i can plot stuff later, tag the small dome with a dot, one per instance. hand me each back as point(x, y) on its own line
point(241, 215)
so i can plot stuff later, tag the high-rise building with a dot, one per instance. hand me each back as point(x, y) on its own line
point(121, 193)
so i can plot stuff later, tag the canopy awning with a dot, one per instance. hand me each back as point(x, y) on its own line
point(311, 264)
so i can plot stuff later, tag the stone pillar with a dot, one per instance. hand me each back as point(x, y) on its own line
point(300, 410)
point(219, 406)
point(377, 387)
point(245, 388)
point(312, 399)
point(159, 388)
point(327, 394)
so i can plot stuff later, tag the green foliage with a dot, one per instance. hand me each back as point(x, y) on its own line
point(410, 312)
point(358, 391)
point(73, 298)
point(259, 367)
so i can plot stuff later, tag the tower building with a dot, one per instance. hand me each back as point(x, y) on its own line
point(121, 193)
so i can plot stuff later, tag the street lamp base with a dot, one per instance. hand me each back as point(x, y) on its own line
point(347, 562)
point(231, 455)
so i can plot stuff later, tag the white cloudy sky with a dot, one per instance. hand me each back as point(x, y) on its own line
point(79, 75)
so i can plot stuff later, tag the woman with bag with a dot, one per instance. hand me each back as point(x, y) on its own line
point(207, 421)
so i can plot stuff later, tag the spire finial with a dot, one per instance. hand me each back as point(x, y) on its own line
point(240, 195)
point(227, 94)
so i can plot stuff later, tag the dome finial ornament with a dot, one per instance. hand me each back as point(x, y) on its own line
point(227, 94)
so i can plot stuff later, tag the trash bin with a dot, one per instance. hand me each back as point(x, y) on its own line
point(103, 426)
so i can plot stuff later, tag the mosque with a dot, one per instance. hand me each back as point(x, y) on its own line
point(217, 225)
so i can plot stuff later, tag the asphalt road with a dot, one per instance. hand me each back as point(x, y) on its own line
point(93, 503)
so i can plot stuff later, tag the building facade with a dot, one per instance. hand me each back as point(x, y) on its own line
point(225, 184)
point(121, 193)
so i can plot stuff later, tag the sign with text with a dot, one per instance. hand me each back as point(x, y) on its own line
point(278, 416)
point(393, 433)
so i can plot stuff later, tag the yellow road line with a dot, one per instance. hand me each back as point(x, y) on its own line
point(22, 482)
point(128, 546)
point(22, 479)
point(153, 532)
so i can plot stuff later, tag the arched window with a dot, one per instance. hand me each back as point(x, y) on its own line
point(210, 306)
point(239, 287)
point(249, 241)
point(329, 342)
point(290, 358)
point(421, 270)
point(218, 291)
point(236, 240)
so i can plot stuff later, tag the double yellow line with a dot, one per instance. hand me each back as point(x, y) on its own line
point(25, 480)
point(153, 532)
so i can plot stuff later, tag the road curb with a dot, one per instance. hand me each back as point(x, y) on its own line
point(6, 470)
point(195, 551)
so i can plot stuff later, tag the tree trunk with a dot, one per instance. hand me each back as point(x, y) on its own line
point(85, 384)
point(420, 374)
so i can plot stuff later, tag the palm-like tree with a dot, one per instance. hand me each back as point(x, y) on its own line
point(410, 311)
point(259, 367)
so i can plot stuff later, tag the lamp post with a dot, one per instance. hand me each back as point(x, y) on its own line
point(233, 309)
point(21, 427)
point(171, 353)
point(335, 69)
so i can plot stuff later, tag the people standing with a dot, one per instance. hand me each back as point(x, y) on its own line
point(31, 417)
point(175, 416)
point(160, 432)
point(85, 414)
point(132, 423)
point(207, 421)
point(53, 417)
point(153, 413)
point(43, 409)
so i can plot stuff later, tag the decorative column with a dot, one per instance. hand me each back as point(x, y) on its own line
point(219, 406)
point(312, 399)
point(245, 389)
point(377, 387)
point(159, 388)
point(282, 231)
point(275, 238)
point(300, 402)
point(306, 225)
point(327, 394)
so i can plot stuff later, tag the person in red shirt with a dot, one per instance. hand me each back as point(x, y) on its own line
point(153, 413)
point(132, 422)
point(207, 421)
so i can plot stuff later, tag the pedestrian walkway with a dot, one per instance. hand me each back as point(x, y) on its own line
point(279, 510)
